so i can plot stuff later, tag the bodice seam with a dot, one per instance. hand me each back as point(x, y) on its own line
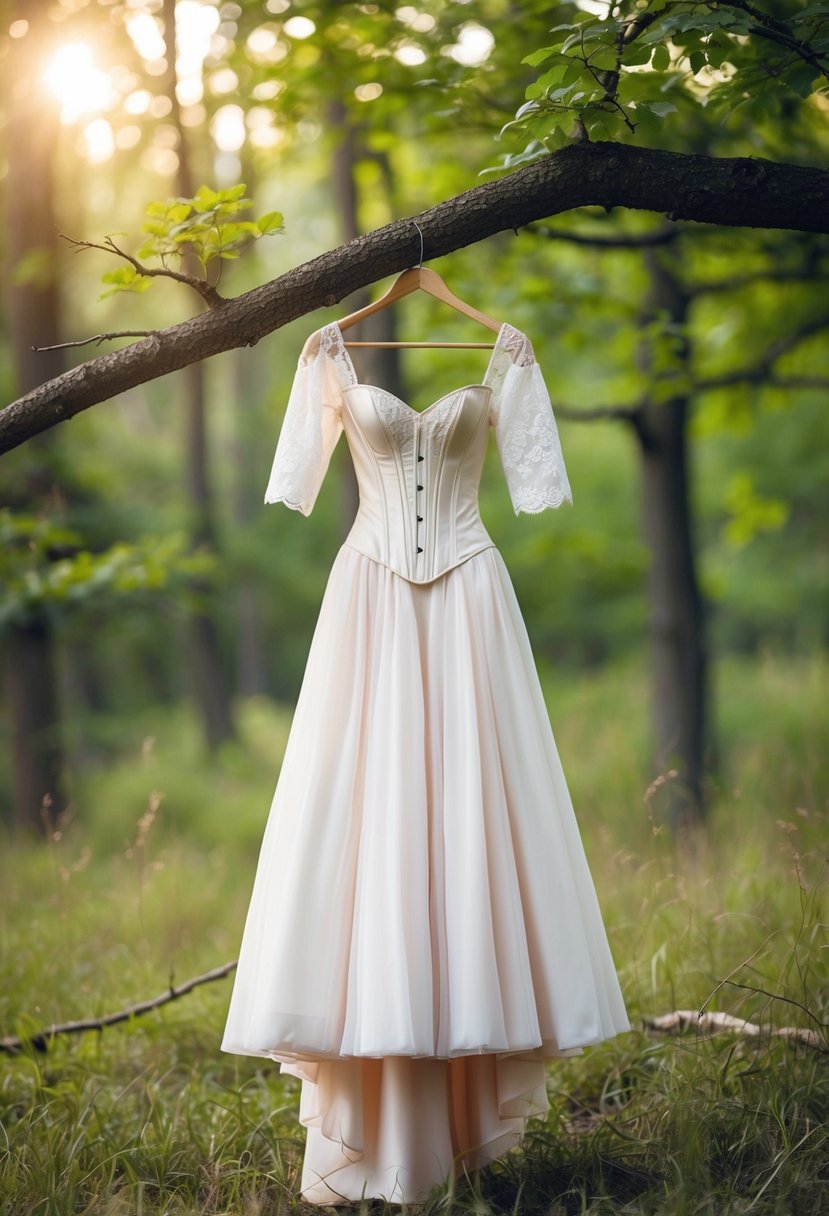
point(372, 557)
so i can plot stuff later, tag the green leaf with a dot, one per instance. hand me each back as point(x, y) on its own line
point(540, 56)
point(660, 107)
point(802, 79)
point(205, 198)
point(178, 212)
point(573, 71)
point(604, 60)
point(232, 193)
point(661, 58)
point(637, 55)
point(718, 48)
point(270, 222)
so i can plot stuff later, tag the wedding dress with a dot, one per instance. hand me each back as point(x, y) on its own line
point(423, 931)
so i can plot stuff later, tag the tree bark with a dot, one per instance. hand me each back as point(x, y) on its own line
point(39, 790)
point(743, 191)
point(207, 668)
point(678, 646)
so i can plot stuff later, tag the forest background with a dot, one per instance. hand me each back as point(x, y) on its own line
point(156, 616)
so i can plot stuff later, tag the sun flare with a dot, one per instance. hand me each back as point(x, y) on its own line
point(80, 86)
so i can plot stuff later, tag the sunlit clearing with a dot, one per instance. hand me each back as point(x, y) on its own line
point(146, 36)
point(228, 128)
point(79, 86)
point(473, 46)
point(224, 81)
point(196, 24)
point(267, 137)
point(99, 141)
point(299, 27)
point(264, 46)
point(368, 92)
point(410, 55)
point(422, 22)
point(138, 102)
point(189, 91)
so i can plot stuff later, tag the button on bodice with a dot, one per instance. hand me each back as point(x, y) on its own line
point(418, 476)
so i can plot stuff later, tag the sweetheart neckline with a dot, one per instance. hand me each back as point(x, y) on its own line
point(418, 413)
point(335, 325)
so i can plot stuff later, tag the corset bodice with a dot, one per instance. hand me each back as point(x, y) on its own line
point(418, 473)
point(418, 476)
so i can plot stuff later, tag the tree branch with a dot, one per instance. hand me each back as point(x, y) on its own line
point(13, 1044)
point(596, 413)
point(748, 192)
point(208, 293)
point(714, 1020)
point(99, 338)
point(679, 1019)
point(623, 240)
point(777, 31)
point(768, 275)
point(759, 373)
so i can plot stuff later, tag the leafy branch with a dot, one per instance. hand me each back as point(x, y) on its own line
point(207, 228)
point(44, 566)
point(607, 78)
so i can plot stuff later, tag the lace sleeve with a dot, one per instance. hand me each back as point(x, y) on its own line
point(310, 430)
point(525, 429)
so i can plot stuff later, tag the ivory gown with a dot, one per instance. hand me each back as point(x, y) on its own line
point(423, 931)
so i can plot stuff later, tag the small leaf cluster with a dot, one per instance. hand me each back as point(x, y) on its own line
point(750, 513)
point(43, 565)
point(210, 227)
point(621, 77)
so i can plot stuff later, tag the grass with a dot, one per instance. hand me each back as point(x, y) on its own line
point(151, 880)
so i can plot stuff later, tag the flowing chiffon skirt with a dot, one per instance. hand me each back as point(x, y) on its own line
point(423, 931)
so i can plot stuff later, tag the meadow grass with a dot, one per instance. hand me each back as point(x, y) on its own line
point(149, 881)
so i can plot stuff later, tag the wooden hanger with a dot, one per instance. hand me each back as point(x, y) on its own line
point(421, 278)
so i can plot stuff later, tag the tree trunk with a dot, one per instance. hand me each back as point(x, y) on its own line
point(37, 746)
point(251, 665)
point(677, 619)
point(38, 762)
point(380, 365)
point(208, 671)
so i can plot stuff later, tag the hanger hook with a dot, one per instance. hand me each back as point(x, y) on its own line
point(420, 232)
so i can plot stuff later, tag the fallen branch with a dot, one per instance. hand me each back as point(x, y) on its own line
point(736, 191)
point(715, 1020)
point(40, 1039)
point(680, 1019)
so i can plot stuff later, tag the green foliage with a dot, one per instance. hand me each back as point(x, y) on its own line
point(622, 77)
point(36, 268)
point(124, 278)
point(208, 226)
point(750, 513)
point(44, 566)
